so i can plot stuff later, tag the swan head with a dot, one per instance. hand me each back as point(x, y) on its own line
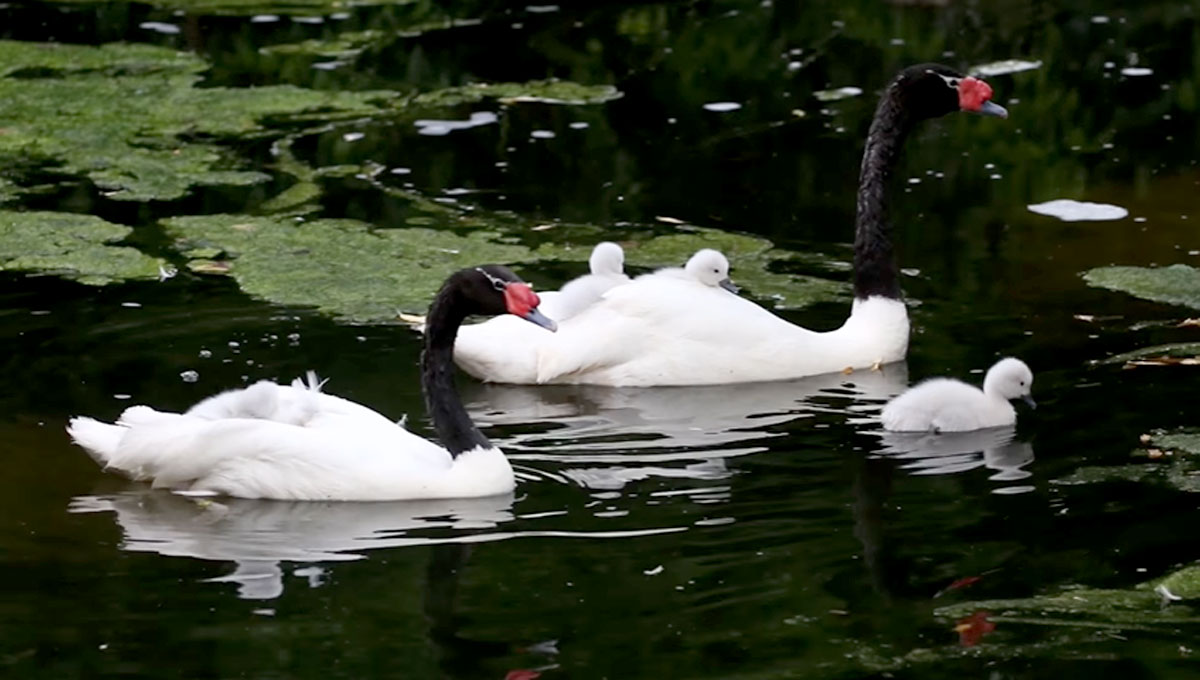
point(492, 290)
point(607, 258)
point(1009, 379)
point(933, 90)
point(711, 268)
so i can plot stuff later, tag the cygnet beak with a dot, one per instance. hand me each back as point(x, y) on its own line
point(728, 285)
point(541, 319)
point(1028, 399)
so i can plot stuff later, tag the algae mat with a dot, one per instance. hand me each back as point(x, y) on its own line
point(361, 274)
point(131, 119)
point(77, 247)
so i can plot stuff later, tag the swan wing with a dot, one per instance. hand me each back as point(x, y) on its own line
point(666, 330)
point(294, 404)
point(333, 457)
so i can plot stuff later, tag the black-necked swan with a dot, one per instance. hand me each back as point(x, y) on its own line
point(660, 335)
point(328, 448)
point(506, 351)
point(948, 405)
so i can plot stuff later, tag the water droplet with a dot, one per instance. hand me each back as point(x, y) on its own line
point(542, 134)
point(353, 136)
point(205, 354)
point(722, 107)
point(189, 376)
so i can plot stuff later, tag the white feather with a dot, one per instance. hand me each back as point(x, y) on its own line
point(948, 405)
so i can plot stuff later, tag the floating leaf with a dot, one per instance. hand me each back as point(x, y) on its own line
point(1004, 67)
point(837, 94)
point(74, 246)
point(1178, 284)
point(1068, 210)
point(971, 629)
point(552, 91)
point(1176, 351)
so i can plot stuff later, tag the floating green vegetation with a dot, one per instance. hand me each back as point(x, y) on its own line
point(252, 7)
point(1178, 284)
point(129, 117)
point(551, 91)
point(361, 274)
point(1164, 354)
point(342, 46)
point(1170, 458)
point(342, 267)
point(1140, 607)
point(74, 246)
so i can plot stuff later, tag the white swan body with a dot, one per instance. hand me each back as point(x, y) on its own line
point(658, 332)
point(296, 443)
point(681, 333)
point(947, 405)
point(509, 353)
point(330, 457)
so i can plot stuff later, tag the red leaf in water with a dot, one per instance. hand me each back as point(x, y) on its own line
point(960, 583)
point(972, 628)
point(522, 674)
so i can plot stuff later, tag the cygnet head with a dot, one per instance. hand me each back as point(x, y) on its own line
point(1010, 378)
point(710, 267)
point(607, 258)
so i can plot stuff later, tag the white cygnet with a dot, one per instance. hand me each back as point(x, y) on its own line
point(606, 269)
point(706, 266)
point(948, 405)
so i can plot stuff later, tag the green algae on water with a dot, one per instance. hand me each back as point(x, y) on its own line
point(1178, 284)
point(129, 117)
point(73, 246)
point(362, 274)
point(550, 91)
point(252, 7)
point(341, 267)
point(1139, 607)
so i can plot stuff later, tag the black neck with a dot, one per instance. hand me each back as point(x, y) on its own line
point(454, 427)
point(875, 269)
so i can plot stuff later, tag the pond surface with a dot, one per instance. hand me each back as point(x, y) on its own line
point(738, 531)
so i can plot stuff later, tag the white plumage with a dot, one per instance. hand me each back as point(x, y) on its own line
point(297, 443)
point(948, 405)
point(508, 353)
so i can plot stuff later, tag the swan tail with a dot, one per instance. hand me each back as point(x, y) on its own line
point(100, 440)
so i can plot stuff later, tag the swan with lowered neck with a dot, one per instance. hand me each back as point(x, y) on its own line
point(294, 443)
point(947, 405)
point(649, 332)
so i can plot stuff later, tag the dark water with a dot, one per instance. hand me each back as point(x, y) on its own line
point(741, 531)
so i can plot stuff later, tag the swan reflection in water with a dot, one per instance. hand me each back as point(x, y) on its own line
point(258, 535)
point(605, 437)
point(995, 448)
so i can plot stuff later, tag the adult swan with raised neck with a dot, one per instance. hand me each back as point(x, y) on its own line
point(661, 331)
point(297, 443)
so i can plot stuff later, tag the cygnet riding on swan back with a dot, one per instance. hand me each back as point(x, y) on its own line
point(502, 350)
point(948, 405)
point(296, 443)
point(709, 267)
point(607, 267)
point(651, 332)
